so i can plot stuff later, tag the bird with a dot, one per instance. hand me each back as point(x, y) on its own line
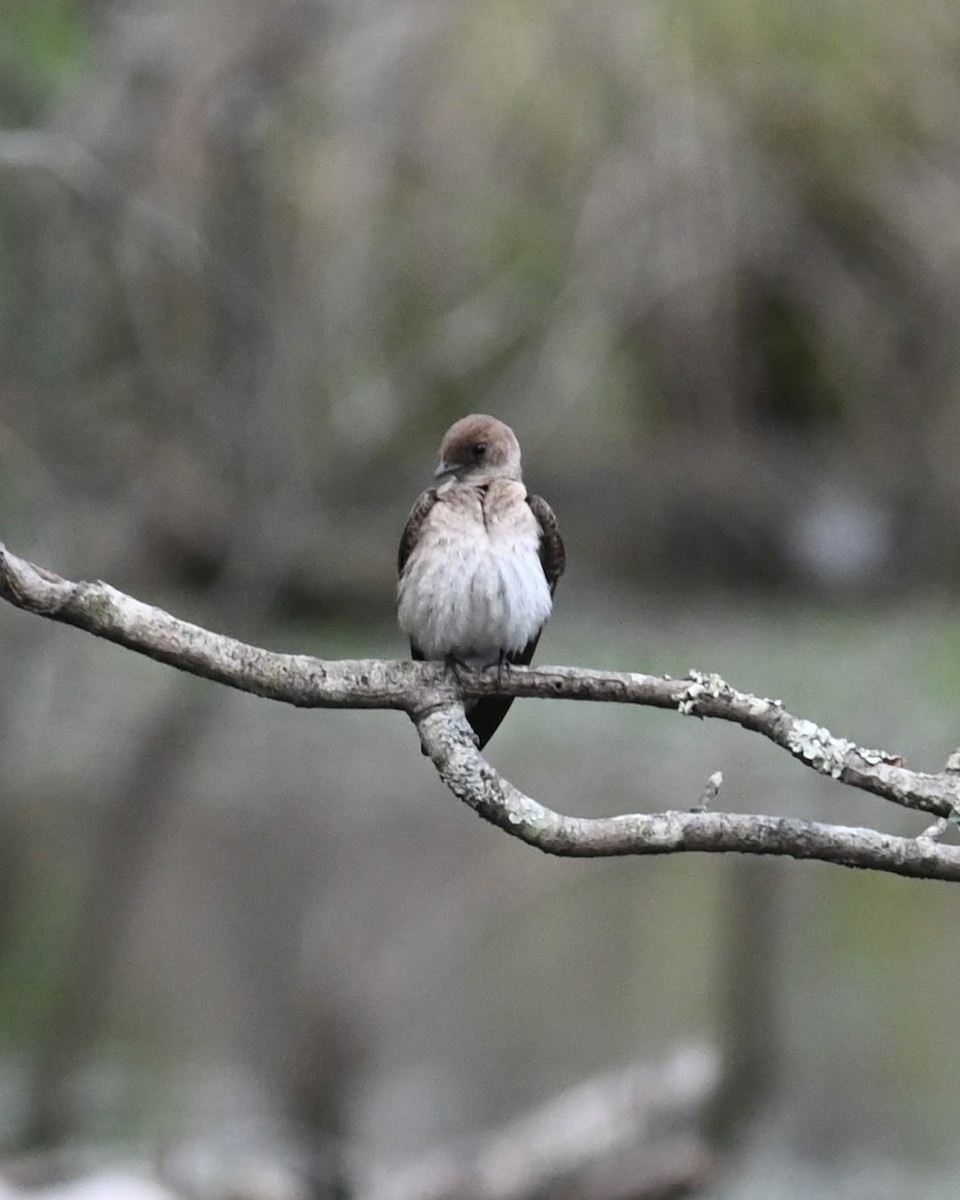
point(478, 562)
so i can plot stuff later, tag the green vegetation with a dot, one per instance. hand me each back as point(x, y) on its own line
point(44, 45)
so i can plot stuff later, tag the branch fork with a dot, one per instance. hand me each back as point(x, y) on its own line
point(433, 696)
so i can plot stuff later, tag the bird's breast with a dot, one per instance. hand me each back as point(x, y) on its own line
point(474, 586)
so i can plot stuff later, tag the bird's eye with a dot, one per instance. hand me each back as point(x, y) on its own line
point(479, 449)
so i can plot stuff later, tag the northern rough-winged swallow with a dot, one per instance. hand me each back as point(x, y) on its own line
point(479, 560)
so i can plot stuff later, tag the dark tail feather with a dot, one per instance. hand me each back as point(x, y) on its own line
point(485, 717)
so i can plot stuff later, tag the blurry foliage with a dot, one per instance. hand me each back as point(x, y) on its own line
point(796, 389)
point(43, 46)
point(38, 930)
point(648, 235)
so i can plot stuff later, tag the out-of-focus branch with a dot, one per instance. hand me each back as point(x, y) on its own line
point(627, 1134)
point(434, 697)
point(81, 171)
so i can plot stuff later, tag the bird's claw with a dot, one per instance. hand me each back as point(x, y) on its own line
point(457, 666)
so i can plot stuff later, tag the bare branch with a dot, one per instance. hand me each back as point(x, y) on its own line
point(473, 780)
point(433, 697)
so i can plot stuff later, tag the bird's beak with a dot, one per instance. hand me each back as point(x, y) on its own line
point(445, 468)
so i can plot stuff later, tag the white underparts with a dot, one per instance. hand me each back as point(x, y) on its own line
point(474, 594)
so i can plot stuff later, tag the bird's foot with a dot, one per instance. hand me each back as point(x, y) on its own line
point(457, 666)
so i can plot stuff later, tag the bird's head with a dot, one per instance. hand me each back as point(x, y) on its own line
point(479, 447)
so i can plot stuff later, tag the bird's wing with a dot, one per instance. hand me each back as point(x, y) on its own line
point(409, 538)
point(485, 715)
point(553, 557)
point(411, 531)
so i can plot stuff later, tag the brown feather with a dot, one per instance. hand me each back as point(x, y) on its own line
point(411, 531)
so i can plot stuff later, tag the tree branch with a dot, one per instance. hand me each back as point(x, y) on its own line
point(628, 1133)
point(434, 698)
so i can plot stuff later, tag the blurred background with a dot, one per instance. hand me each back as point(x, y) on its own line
point(255, 256)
